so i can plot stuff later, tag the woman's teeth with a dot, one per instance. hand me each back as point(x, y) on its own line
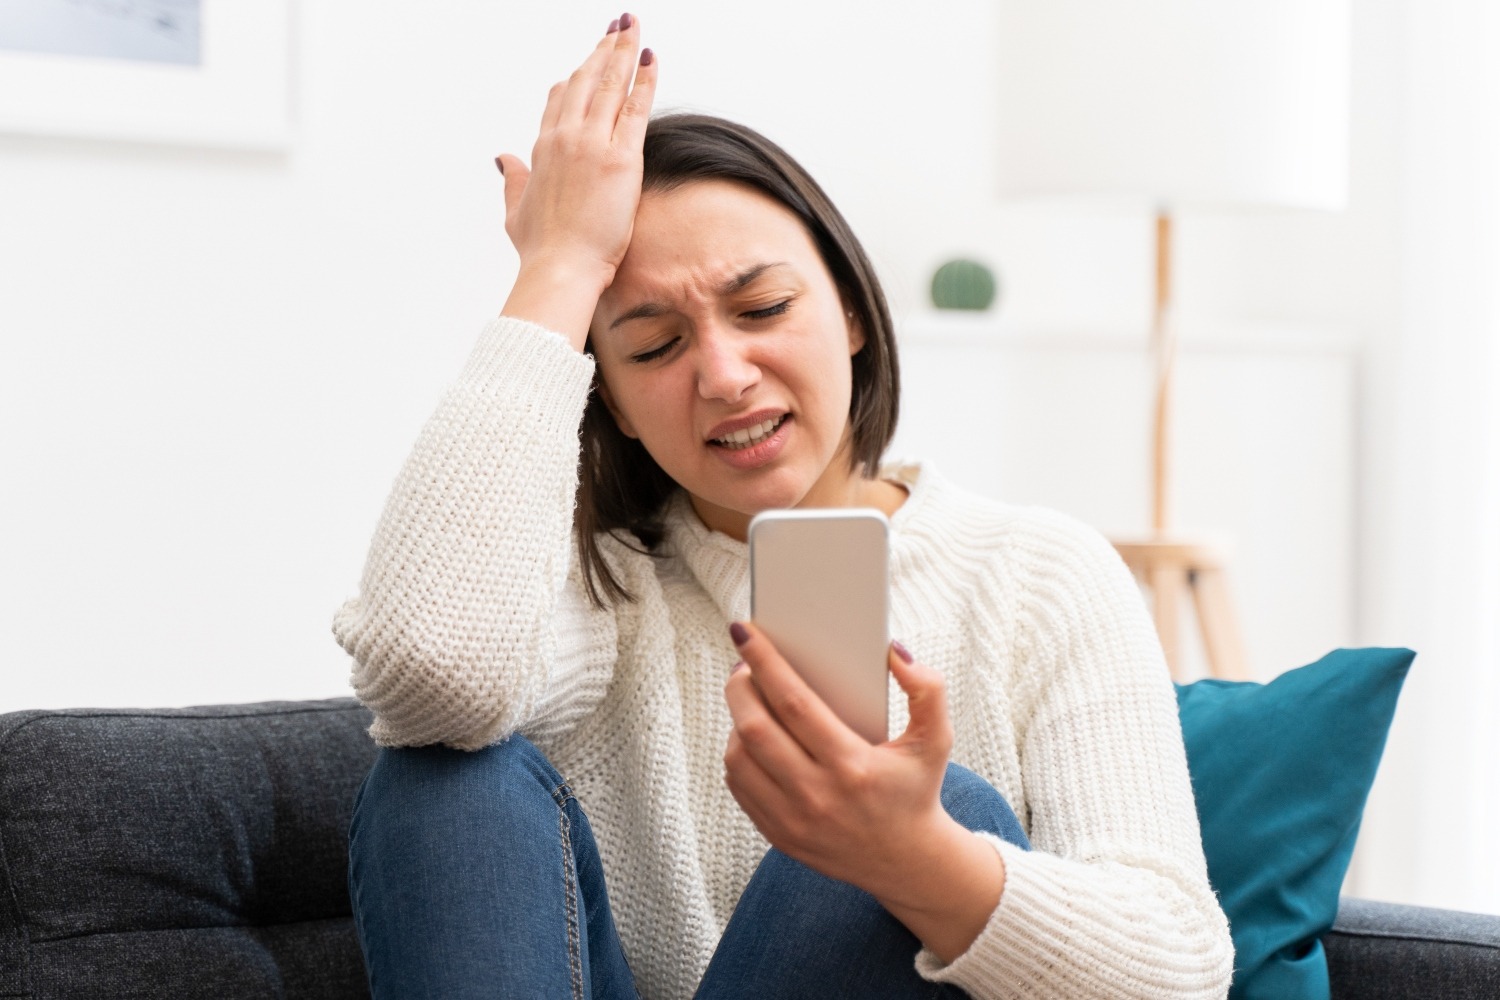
point(750, 435)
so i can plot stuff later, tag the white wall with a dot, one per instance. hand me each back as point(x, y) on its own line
point(211, 363)
point(1433, 472)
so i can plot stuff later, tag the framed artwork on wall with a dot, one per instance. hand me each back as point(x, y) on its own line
point(181, 72)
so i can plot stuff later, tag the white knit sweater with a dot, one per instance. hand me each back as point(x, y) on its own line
point(471, 624)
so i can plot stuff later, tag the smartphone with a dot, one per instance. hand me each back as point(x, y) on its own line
point(819, 589)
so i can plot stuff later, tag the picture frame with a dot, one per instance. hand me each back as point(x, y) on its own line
point(236, 97)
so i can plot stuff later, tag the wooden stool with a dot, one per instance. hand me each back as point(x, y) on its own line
point(1172, 568)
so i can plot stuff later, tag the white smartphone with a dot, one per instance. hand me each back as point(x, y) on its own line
point(819, 588)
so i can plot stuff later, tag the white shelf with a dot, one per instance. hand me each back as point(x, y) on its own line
point(1265, 451)
point(990, 330)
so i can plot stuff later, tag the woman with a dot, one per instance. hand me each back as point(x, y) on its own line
point(558, 693)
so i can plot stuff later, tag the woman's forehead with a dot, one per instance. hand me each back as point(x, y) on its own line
point(714, 232)
point(711, 208)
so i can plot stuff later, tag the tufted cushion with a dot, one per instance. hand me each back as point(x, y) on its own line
point(179, 852)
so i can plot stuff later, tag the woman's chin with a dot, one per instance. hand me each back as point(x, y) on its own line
point(731, 513)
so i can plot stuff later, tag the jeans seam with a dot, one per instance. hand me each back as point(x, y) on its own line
point(570, 895)
point(357, 906)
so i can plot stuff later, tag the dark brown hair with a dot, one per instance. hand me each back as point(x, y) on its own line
point(620, 486)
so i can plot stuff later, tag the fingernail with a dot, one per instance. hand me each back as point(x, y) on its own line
point(626, 21)
point(737, 667)
point(901, 651)
point(499, 163)
point(614, 26)
point(738, 633)
point(646, 57)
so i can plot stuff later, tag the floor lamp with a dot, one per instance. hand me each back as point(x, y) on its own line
point(1172, 105)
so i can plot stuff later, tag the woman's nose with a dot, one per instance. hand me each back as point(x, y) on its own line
point(724, 371)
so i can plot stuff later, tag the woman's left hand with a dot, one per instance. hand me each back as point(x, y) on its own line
point(819, 791)
point(868, 815)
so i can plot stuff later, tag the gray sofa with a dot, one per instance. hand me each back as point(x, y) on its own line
point(200, 853)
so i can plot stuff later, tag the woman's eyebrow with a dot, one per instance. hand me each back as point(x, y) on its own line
point(648, 310)
point(645, 310)
point(746, 276)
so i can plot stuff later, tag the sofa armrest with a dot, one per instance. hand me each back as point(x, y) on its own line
point(185, 852)
point(1388, 951)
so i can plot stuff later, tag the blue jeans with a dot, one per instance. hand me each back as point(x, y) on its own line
point(476, 875)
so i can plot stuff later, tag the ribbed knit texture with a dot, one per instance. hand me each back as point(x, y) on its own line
point(471, 624)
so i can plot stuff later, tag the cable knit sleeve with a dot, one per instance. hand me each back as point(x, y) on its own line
point(470, 621)
point(1113, 900)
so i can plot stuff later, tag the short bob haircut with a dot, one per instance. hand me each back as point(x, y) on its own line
point(620, 486)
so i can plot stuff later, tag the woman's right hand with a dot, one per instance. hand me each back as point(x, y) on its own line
point(570, 215)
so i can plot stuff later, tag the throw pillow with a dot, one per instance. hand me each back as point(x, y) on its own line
point(1281, 771)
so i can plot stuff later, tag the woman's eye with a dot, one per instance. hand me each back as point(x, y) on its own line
point(769, 311)
point(654, 353)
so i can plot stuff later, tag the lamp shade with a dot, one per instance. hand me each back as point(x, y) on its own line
point(1176, 103)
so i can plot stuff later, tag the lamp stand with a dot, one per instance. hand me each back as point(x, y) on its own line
point(1171, 566)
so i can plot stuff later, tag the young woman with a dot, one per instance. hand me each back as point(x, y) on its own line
point(598, 779)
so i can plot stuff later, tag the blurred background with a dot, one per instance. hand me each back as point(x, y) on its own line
point(220, 333)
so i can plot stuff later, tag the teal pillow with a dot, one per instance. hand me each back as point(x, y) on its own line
point(1281, 771)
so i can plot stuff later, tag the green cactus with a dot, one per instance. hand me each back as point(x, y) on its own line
point(963, 284)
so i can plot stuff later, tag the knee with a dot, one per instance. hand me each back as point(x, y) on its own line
point(976, 804)
point(436, 786)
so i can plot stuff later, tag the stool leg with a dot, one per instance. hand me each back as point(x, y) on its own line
point(1221, 633)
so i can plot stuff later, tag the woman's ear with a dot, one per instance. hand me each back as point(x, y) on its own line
point(856, 332)
point(621, 421)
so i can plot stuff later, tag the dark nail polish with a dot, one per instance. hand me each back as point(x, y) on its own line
point(501, 165)
point(646, 57)
point(626, 21)
point(901, 650)
point(738, 633)
point(614, 26)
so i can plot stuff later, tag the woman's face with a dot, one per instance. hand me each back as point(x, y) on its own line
point(724, 348)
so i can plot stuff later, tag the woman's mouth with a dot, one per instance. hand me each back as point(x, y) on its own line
point(749, 437)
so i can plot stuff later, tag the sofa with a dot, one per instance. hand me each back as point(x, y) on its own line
point(200, 852)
